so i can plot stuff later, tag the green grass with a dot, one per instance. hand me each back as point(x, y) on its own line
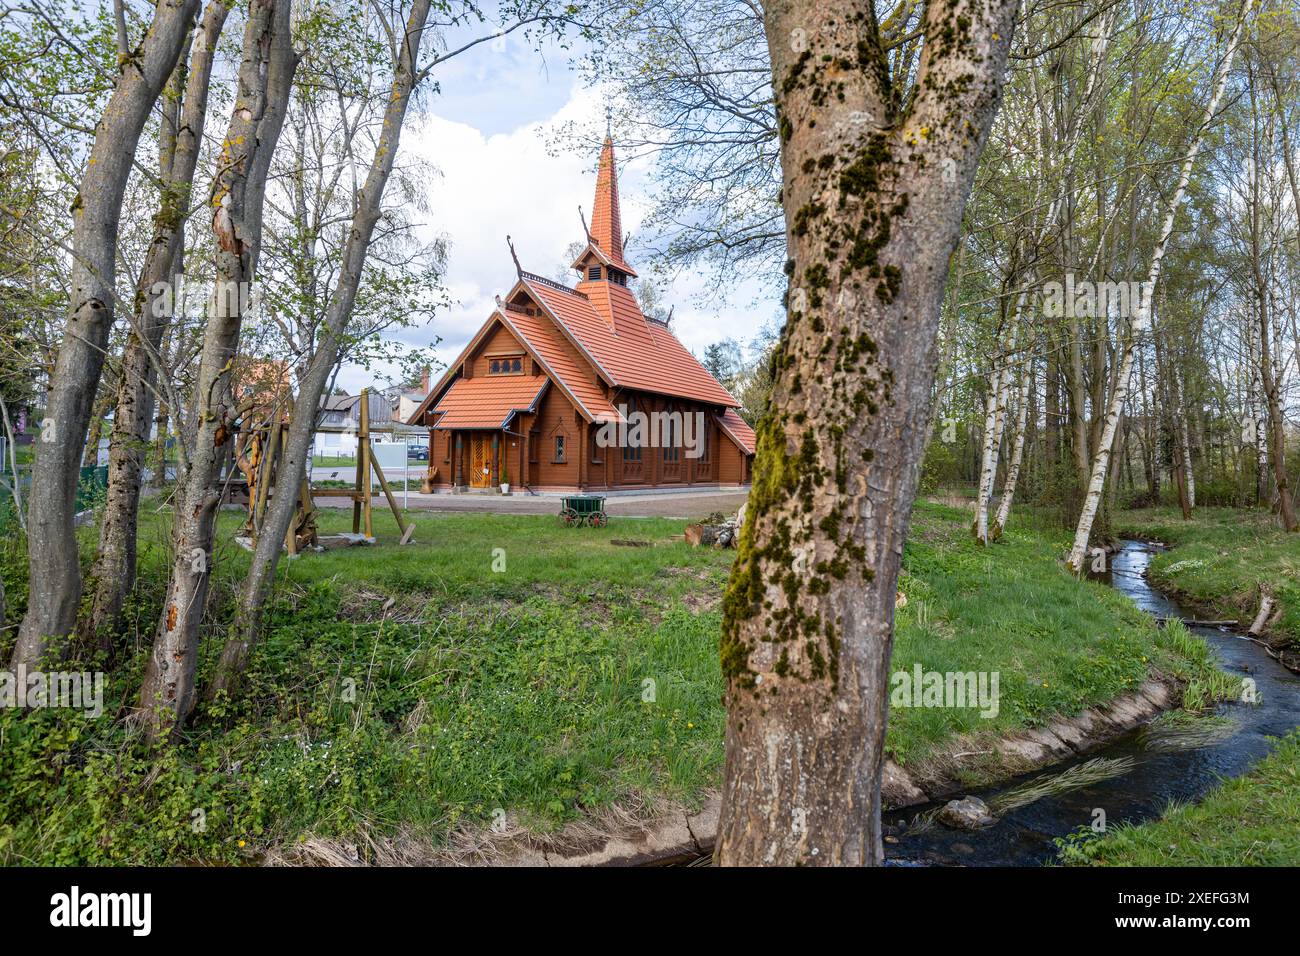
point(1059, 644)
point(1252, 820)
point(1221, 557)
point(350, 461)
point(520, 665)
point(506, 662)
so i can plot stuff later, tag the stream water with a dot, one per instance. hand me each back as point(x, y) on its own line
point(1159, 768)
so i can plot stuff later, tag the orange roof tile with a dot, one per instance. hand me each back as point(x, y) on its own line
point(545, 341)
point(489, 401)
point(631, 351)
point(738, 429)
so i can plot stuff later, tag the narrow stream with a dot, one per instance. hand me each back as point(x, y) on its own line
point(1162, 768)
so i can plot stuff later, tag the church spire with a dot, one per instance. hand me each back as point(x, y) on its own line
point(606, 221)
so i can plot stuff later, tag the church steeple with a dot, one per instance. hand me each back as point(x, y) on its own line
point(606, 220)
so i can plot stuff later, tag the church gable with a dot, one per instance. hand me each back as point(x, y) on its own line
point(501, 353)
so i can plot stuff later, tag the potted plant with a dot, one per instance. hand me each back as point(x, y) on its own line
point(505, 478)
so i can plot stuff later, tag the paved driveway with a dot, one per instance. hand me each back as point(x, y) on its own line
point(675, 504)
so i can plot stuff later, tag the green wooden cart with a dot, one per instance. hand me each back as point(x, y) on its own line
point(584, 509)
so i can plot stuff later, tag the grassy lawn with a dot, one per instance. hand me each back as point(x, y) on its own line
point(1059, 644)
point(350, 461)
point(504, 662)
point(1220, 559)
point(1252, 820)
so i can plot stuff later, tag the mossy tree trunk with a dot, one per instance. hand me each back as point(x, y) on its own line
point(875, 183)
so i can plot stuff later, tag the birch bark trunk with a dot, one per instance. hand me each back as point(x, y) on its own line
point(999, 382)
point(1276, 434)
point(874, 194)
point(1017, 455)
point(54, 573)
point(1142, 320)
point(1185, 446)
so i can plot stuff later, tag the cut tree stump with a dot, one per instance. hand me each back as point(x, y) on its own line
point(702, 535)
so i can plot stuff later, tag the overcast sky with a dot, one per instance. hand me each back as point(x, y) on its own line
point(490, 133)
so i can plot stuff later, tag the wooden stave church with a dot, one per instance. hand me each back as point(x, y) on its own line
point(525, 399)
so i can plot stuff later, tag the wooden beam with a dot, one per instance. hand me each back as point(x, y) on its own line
point(388, 493)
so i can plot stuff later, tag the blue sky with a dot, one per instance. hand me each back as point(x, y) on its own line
point(491, 132)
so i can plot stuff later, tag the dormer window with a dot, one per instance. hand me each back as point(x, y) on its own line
point(593, 274)
point(616, 276)
point(506, 366)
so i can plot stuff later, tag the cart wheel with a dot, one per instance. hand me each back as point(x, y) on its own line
point(570, 518)
point(598, 519)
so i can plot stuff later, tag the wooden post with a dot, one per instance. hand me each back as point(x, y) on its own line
point(688, 463)
point(495, 481)
point(428, 469)
point(356, 492)
point(265, 475)
point(308, 510)
point(456, 463)
point(388, 493)
point(364, 469)
point(584, 456)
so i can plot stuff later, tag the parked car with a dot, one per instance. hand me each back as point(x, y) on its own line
point(416, 452)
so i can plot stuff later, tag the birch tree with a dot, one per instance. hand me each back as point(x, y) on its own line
point(181, 138)
point(1275, 433)
point(257, 583)
point(408, 73)
point(1017, 452)
point(1141, 319)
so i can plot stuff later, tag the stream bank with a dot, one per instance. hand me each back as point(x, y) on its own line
point(1140, 773)
point(1113, 763)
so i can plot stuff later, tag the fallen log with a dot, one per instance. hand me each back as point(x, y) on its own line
point(1265, 611)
